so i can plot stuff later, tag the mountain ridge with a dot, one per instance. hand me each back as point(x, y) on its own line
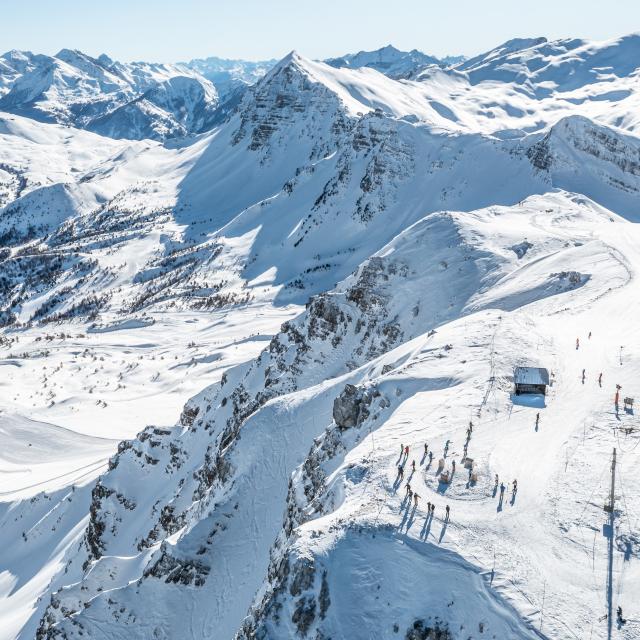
point(235, 331)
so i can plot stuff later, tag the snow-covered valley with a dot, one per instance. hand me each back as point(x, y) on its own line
point(217, 343)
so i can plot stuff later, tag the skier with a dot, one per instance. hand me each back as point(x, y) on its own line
point(600, 379)
point(515, 486)
point(430, 456)
point(577, 343)
point(413, 465)
point(497, 480)
point(453, 465)
point(470, 426)
point(589, 335)
point(433, 508)
point(401, 448)
point(537, 420)
point(583, 376)
point(415, 499)
point(401, 471)
point(406, 451)
point(502, 488)
point(428, 507)
point(408, 487)
point(426, 448)
point(447, 510)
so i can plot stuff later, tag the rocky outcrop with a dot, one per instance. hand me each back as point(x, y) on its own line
point(351, 407)
point(178, 571)
point(421, 630)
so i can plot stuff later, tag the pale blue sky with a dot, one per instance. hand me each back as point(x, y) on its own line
point(172, 30)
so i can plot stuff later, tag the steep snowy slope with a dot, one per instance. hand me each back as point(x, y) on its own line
point(439, 232)
point(543, 66)
point(213, 492)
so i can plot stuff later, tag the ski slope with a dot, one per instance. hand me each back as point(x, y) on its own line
point(214, 350)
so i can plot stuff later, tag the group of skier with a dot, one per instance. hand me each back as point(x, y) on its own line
point(431, 506)
point(409, 492)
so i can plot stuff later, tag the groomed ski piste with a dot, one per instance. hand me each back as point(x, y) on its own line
point(270, 504)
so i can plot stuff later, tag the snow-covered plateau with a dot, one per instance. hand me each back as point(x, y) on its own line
point(257, 317)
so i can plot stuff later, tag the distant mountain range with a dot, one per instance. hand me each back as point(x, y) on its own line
point(392, 62)
point(140, 100)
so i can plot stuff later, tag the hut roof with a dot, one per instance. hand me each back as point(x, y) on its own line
point(531, 375)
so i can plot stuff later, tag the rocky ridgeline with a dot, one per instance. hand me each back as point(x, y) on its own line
point(186, 469)
point(612, 156)
point(183, 472)
point(290, 576)
point(373, 162)
point(297, 596)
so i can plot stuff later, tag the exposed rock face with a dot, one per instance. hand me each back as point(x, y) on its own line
point(310, 601)
point(420, 630)
point(346, 407)
point(287, 95)
point(178, 571)
point(576, 147)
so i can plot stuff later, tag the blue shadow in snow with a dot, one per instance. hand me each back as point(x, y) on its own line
point(534, 400)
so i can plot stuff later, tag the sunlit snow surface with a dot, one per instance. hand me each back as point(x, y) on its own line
point(445, 228)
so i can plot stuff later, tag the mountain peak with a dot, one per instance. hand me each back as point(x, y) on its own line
point(69, 54)
point(519, 44)
point(292, 61)
point(390, 49)
point(17, 54)
point(292, 56)
point(388, 60)
point(104, 59)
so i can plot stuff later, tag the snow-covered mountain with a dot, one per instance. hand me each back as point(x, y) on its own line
point(215, 349)
point(394, 63)
point(388, 60)
point(157, 101)
point(135, 100)
point(561, 65)
point(14, 64)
